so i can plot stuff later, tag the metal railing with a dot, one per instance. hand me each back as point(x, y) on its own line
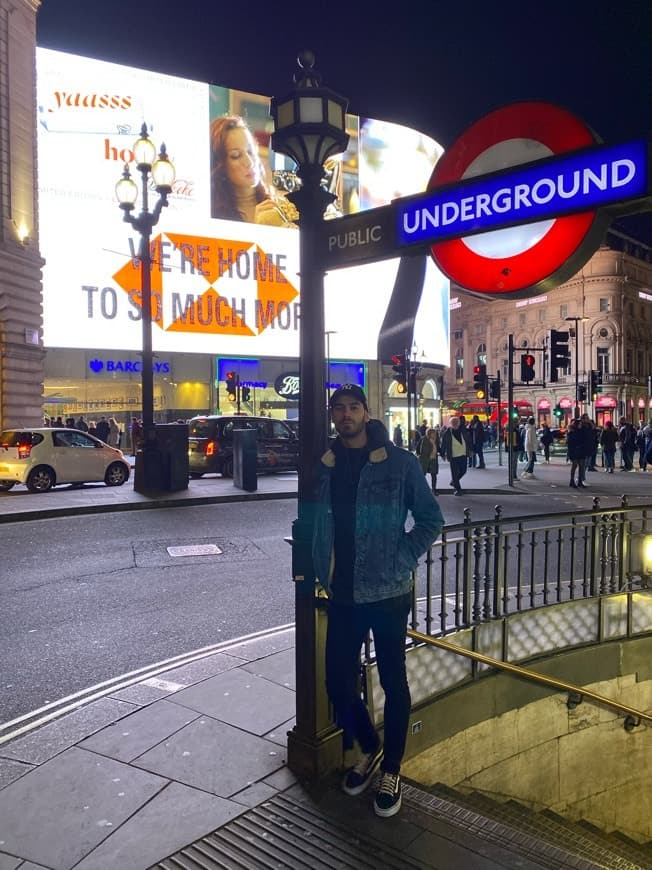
point(514, 589)
point(481, 570)
point(576, 694)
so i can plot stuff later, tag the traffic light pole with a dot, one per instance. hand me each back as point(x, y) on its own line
point(511, 423)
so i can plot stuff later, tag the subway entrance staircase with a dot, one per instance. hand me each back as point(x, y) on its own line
point(315, 826)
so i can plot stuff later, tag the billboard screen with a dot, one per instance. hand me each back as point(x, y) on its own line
point(225, 265)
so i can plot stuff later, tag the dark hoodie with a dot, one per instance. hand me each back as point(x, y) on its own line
point(349, 462)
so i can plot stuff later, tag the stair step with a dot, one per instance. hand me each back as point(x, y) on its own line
point(585, 845)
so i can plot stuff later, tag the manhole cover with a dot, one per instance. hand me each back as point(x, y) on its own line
point(195, 550)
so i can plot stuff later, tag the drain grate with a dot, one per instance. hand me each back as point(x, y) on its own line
point(195, 550)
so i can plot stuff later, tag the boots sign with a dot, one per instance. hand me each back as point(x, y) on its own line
point(518, 203)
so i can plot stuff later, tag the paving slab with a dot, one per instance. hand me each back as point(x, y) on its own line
point(48, 741)
point(213, 756)
point(278, 667)
point(231, 696)
point(58, 813)
point(135, 734)
point(175, 816)
point(12, 770)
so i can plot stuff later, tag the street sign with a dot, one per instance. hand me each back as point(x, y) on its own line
point(518, 203)
point(539, 254)
point(363, 237)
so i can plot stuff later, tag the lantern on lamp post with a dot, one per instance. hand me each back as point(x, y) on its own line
point(148, 472)
point(310, 127)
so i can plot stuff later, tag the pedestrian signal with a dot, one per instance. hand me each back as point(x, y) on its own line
point(231, 381)
point(480, 381)
point(398, 367)
point(527, 368)
point(559, 353)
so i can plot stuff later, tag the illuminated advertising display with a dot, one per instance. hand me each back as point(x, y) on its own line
point(225, 266)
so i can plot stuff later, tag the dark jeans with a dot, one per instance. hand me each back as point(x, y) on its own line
point(458, 470)
point(478, 456)
point(348, 626)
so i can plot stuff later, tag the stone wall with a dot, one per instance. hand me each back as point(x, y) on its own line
point(21, 316)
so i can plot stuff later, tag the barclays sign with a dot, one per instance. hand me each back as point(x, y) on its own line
point(111, 366)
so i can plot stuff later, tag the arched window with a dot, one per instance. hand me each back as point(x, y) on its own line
point(481, 355)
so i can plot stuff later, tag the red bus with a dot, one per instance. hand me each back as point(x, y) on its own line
point(521, 406)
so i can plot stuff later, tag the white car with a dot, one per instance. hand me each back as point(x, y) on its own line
point(43, 458)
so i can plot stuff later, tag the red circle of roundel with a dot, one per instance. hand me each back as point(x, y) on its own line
point(553, 127)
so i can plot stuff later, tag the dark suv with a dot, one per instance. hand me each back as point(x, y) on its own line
point(210, 444)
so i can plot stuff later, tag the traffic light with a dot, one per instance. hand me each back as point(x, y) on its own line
point(559, 353)
point(557, 411)
point(581, 393)
point(527, 368)
point(398, 368)
point(480, 381)
point(494, 388)
point(595, 381)
point(245, 393)
point(231, 381)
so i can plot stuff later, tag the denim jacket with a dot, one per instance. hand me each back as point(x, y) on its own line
point(391, 483)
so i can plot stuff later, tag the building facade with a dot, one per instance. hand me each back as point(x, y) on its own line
point(607, 310)
point(22, 355)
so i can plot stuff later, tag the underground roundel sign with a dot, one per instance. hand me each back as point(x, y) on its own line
point(524, 259)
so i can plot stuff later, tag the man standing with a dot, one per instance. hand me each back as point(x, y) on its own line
point(365, 557)
point(477, 440)
point(456, 449)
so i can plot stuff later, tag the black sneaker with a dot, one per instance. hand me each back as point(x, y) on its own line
point(358, 777)
point(388, 797)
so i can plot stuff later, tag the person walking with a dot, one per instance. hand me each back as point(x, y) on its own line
point(530, 444)
point(608, 441)
point(576, 452)
point(365, 558)
point(627, 438)
point(456, 449)
point(428, 453)
point(546, 440)
point(477, 441)
point(397, 436)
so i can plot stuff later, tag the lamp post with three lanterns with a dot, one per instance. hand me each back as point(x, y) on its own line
point(148, 473)
point(310, 127)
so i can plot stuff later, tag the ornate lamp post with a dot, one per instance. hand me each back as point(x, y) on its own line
point(309, 127)
point(148, 476)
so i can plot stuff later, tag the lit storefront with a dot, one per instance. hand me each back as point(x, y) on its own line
point(226, 293)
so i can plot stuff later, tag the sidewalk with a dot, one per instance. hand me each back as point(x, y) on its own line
point(130, 772)
point(18, 504)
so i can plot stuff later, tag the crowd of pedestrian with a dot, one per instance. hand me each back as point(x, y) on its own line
point(107, 429)
point(462, 445)
point(584, 441)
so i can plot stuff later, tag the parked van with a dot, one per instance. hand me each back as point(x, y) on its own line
point(210, 444)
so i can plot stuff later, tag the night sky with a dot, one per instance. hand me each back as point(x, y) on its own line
point(432, 65)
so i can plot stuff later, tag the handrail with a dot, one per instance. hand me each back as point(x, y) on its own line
point(576, 693)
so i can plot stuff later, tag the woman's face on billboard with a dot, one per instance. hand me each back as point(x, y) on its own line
point(242, 163)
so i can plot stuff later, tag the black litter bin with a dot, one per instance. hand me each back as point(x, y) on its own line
point(245, 459)
point(172, 442)
point(162, 461)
